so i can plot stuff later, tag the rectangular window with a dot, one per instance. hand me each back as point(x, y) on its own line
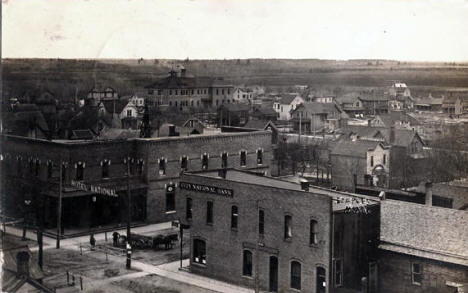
point(261, 222)
point(184, 163)
point(295, 275)
point(162, 166)
point(243, 158)
point(199, 251)
point(140, 166)
point(313, 232)
point(287, 227)
point(19, 167)
point(105, 168)
point(50, 166)
point(338, 272)
point(64, 172)
point(188, 209)
point(209, 212)
point(416, 273)
point(234, 217)
point(224, 160)
point(259, 156)
point(37, 166)
point(372, 161)
point(80, 171)
point(384, 159)
point(170, 197)
point(205, 161)
point(222, 91)
point(247, 263)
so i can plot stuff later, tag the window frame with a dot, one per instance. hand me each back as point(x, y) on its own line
point(313, 232)
point(335, 266)
point(413, 273)
point(234, 217)
point(209, 212)
point(205, 158)
point(170, 200)
point(260, 156)
point(224, 160)
point(293, 278)
point(162, 166)
point(198, 256)
point(189, 208)
point(243, 158)
point(288, 227)
point(261, 222)
point(247, 267)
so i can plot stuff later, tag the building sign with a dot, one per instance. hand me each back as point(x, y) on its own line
point(207, 189)
point(94, 188)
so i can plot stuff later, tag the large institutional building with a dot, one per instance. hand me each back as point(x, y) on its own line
point(183, 91)
point(90, 168)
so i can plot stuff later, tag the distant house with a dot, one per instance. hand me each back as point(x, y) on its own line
point(374, 104)
point(351, 104)
point(323, 99)
point(428, 103)
point(316, 117)
point(25, 120)
point(242, 95)
point(103, 94)
point(399, 89)
point(399, 120)
point(124, 110)
point(286, 104)
point(455, 104)
point(233, 114)
point(264, 112)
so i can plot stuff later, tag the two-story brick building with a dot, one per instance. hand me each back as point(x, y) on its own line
point(31, 169)
point(255, 230)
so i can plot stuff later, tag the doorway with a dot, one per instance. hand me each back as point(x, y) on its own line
point(273, 283)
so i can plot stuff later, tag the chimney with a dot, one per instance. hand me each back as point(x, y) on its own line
point(22, 263)
point(392, 135)
point(222, 173)
point(429, 193)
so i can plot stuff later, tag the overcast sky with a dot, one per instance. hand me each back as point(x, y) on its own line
point(420, 30)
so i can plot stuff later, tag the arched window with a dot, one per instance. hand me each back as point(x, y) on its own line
point(313, 232)
point(234, 217)
point(199, 251)
point(247, 263)
point(296, 275)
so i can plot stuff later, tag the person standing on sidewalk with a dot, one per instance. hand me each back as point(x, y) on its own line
point(92, 241)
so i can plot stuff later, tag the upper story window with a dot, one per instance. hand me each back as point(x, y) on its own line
point(184, 163)
point(37, 167)
point(64, 171)
point(261, 222)
point(105, 168)
point(234, 217)
point(217, 91)
point(140, 165)
point(50, 166)
point(129, 113)
point(222, 91)
point(384, 159)
point(199, 251)
point(243, 158)
point(416, 273)
point(260, 156)
point(80, 166)
point(372, 161)
point(19, 166)
point(313, 232)
point(209, 212)
point(188, 209)
point(170, 197)
point(247, 263)
point(287, 227)
point(31, 166)
point(224, 160)
point(205, 158)
point(162, 166)
point(296, 275)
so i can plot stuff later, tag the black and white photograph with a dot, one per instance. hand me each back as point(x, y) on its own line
point(234, 146)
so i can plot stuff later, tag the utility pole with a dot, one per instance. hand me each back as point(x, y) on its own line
point(257, 289)
point(59, 209)
point(129, 215)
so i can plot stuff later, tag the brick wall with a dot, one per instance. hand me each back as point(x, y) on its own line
point(225, 246)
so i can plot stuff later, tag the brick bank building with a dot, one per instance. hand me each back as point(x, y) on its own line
point(245, 225)
point(31, 174)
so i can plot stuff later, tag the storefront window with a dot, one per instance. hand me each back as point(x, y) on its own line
point(199, 251)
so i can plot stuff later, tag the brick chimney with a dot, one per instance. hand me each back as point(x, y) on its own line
point(429, 193)
point(22, 263)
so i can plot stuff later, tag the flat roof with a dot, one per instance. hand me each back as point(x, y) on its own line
point(341, 200)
